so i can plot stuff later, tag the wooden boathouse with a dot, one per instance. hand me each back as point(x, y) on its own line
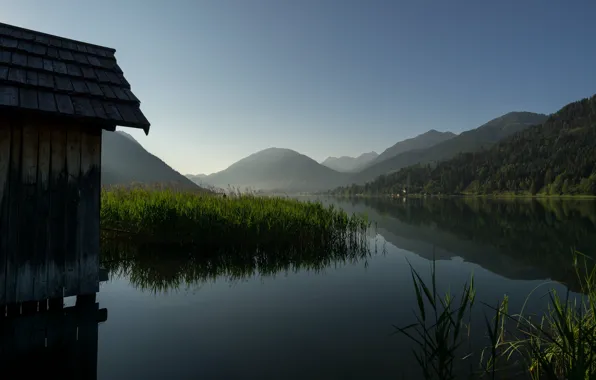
point(57, 97)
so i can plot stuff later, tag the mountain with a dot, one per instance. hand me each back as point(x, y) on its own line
point(276, 169)
point(124, 161)
point(556, 157)
point(473, 140)
point(425, 140)
point(349, 164)
point(199, 179)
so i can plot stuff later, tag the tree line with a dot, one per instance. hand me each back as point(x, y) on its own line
point(557, 157)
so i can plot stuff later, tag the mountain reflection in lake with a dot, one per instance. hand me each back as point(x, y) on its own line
point(178, 313)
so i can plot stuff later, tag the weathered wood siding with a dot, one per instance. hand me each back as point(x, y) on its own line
point(49, 210)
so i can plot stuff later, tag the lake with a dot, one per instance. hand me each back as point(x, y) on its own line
point(170, 316)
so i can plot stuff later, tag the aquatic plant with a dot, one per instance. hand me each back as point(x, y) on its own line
point(559, 344)
point(235, 222)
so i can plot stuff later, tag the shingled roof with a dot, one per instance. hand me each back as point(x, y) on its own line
point(58, 76)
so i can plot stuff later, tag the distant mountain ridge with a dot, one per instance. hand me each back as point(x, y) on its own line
point(124, 161)
point(277, 169)
point(347, 164)
point(473, 140)
point(422, 141)
point(556, 157)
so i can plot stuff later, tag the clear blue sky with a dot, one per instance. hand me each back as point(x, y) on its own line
point(222, 79)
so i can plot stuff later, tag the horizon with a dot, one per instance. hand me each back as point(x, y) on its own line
point(222, 80)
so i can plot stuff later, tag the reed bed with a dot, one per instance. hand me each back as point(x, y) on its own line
point(560, 344)
point(232, 222)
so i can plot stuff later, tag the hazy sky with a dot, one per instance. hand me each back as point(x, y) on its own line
point(221, 79)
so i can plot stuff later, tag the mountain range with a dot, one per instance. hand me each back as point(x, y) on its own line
point(346, 164)
point(285, 170)
point(516, 152)
point(557, 157)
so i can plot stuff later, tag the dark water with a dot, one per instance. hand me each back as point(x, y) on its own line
point(331, 319)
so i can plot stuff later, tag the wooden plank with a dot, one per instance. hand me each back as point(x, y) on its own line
point(63, 83)
point(64, 104)
point(28, 220)
point(46, 101)
point(73, 168)
point(58, 188)
point(48, 65)
point(94, 89)
point(59, 67)
point(89, 210)
point(98, 109)
point(74, 70)
point(80, 86)
point(3, 72)
point(45, 80)
point(69, 340)
point(42, 233)
point(17, 75)
point(112, 112)
point(15, 195)
point(87, 341)
point(19, 59)
point(82, 106)
point(127, 113)
point(9, 96)
point(32, 78)
point(35, 62)
point(4, 202)
point(28, 98)
point(65, 55)
point(88, 72)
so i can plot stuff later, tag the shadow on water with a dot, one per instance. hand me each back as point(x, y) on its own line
point(56, 341)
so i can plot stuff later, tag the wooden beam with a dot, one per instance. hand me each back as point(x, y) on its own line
point(89, 211)
point(4, 202)
point(73, 168)
point(13, 213)
point(28, 221)
point(42, 257)
point(58, 182)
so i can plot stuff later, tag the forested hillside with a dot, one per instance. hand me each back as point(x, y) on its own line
point(557, 157)
point(477, 139)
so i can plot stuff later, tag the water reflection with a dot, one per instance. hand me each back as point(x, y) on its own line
point(518, 239)
point(159, 268)
point(56, 342)
point(333, 310)
point(521, 240)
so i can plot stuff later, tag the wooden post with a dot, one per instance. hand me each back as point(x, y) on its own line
point(73, 168)
point(4, 202)
point(13, 215)
point(58, 183)
point(28, 220)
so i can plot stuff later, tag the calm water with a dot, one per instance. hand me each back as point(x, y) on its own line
point(331, 320)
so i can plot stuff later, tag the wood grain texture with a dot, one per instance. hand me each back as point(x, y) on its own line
point(15, 195)
point(89, 210)
point(58, 185)
point(5, 134)
point(27, 221)
point(73, 168)
point(42, 256)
